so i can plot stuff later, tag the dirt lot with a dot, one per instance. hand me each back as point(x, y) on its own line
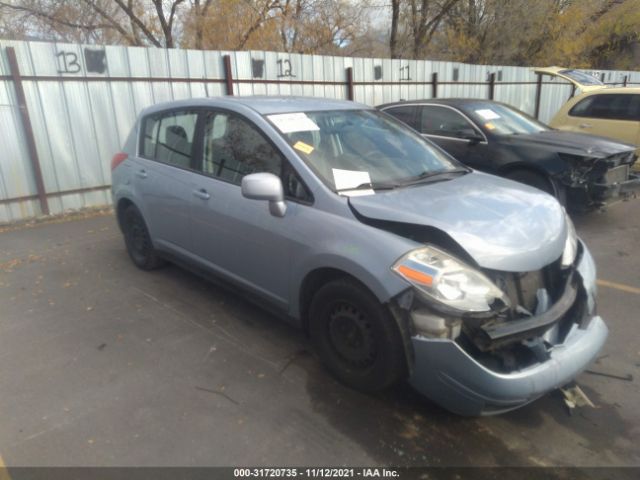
point(102, 364)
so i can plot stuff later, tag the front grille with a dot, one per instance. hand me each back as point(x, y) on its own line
point(617, 175)
point(522, 287)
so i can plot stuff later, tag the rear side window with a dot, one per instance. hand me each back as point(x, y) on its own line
point(608, 106)
point(406, 114)
point(168, 137)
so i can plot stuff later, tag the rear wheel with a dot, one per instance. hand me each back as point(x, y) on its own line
point(138, 240)
point(356, 337)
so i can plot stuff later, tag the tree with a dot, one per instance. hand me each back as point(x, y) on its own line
point(393, 36)
point(321, 26)
point(134, 22)
point(414, 23)
point(595, 34)
point(232, 25)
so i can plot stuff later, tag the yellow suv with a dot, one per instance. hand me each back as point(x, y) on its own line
point(600, 110)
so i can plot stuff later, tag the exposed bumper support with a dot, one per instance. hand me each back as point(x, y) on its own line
point(621, 189)
point(500, 331)
point(451, 377)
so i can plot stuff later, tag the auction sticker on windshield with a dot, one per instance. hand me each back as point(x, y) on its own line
point(293, 122)
point(351, 179)
point(303, 147)
point(487, 114)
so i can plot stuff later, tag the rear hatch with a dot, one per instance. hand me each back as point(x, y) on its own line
point(581, 80)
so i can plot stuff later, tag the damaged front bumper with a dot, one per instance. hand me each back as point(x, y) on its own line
point(447, 373)
point(625, 189)
point(607, 180)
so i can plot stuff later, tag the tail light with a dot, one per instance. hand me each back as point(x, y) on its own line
point(117, 159)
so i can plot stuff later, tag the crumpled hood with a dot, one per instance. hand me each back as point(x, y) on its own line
point(570, 142)
point(503, 225)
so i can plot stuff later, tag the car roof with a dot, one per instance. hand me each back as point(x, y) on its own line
point(264, 104)
point(453, 102)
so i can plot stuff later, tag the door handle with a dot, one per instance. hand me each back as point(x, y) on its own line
point(202, 193)
point(584, 125)
point(142, 173)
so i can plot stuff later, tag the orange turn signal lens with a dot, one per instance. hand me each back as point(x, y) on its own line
point(415, 275)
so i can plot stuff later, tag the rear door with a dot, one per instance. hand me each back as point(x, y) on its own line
point(235, 236)
point(614, 115)
point(164, 176)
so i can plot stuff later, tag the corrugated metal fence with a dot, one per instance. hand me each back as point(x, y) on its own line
point(65, 109)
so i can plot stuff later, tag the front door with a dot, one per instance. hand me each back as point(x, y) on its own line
point(455, 134)
point(236, 236)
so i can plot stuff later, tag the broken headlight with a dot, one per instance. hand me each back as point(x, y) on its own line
point(571, 244)
point(445, 279)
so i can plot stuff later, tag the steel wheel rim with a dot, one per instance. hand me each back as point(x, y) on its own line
point(351, 335)
point(138, 239)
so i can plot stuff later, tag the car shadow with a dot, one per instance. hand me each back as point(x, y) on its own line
point(399, 426)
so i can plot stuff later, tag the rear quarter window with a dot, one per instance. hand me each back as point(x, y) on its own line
point(168, 137)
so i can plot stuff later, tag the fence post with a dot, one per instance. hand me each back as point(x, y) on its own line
point(350, 83)
point(573, 91)
point(602, 77)
point(228, 74)
point(492, 84)
point(538, 95)
point(28, 129)
point(434, 85)
point(624, 81)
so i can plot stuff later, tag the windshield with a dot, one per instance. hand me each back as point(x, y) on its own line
point(351, 149)
point(499, 119)
point(581, 77)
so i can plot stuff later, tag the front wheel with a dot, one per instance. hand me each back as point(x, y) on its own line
point(356, 337)
point(532, 179)
point(138, 240)
point(539, 181)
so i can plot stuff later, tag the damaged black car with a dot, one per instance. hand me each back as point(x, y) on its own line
point(583, 172)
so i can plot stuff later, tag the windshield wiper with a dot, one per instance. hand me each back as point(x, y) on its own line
point(372, 186)
point(425, 177)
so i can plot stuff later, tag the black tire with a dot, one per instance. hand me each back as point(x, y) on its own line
point(533, 179)
point(138, 240)
point(356, 337)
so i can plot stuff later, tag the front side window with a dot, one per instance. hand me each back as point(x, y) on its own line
point(234, 148)
point(500, 119)
point(608, 106)
point(445, 122)
point(350, 148)
point(168, 137)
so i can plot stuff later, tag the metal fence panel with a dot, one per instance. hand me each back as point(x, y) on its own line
point(82, 101)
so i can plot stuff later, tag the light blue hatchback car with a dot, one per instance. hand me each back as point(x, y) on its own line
point(399, 262)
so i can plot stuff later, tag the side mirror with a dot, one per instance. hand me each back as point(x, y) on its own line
point(470, 135)
point(265, 186)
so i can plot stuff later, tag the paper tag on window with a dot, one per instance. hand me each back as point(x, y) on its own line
point(487, 114)
point(293, 122)
point(490, 126)
point(303, 147)
point(346, 179)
